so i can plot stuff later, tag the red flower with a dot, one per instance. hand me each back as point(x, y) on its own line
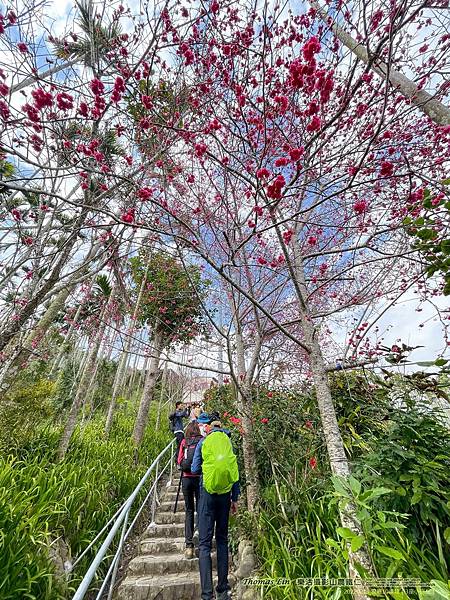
point(200, 150)
point(313, 462)
point(275, 189)
point(387, 168)
point(145, 194)
point(147, 102)
point(265, 420)
point(128, 216)
point(283, 103)
point(97, 87)
point(83, 109)
point(296, 153)
point(261, 173)
point(311, 48)
point(42, 99)
point(287, 236)
point(314, 124)
point(4, 110)
point(360, 207)
point(64, 101)
point(281, 162)
point(22, 47)
point(308, 424)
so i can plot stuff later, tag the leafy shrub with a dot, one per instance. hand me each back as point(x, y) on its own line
point(412, 460)
point(21, 409)
point(41, 500)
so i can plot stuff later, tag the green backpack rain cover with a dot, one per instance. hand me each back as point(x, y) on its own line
point(219, 466)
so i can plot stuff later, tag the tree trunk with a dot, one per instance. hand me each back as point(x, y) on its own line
point(161, 395)
point(66, 344)
point(245, 408)
point(86, 379)
point(43, 75)
point(435, 110)
point(149, 387)
point(120, 373)
point(335, 446)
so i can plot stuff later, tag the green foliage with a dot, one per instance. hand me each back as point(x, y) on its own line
point(104, 381)
point(65, 384)
point(96, 41)
point(172, 301)
point(41, 500)
point(169, 103)
point(7, 169)
point(21, 409)
point(397, 446)
point(430, 231)
point(412, 459)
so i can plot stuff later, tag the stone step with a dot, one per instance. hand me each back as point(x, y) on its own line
point(161, 545)
point(178, 586)
point(164, 564)
point(170, 530)
point(168, 506)
point(171, 496)
point(171, 517)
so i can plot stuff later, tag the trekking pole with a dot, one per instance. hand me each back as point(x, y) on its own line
point(178, 493)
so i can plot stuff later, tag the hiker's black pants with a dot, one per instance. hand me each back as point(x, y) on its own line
point(179, 437)
point(214, 510)
point(191, 486)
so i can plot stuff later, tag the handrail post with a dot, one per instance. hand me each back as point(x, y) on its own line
point(155, 491)
point(171, 471)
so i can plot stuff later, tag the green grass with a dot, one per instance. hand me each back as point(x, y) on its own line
point(42, 500)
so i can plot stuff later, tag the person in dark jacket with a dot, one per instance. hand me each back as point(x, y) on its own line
point(176, 419)
point(190, 483)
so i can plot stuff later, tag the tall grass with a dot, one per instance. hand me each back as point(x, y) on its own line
point(43, 502)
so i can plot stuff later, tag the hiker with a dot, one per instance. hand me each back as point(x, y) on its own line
point(203, 420)
point(190, 483)
point(195, 413)
point(215, 460)
point(176, 423)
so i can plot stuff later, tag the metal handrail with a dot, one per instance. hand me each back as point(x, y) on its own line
point(121, 519)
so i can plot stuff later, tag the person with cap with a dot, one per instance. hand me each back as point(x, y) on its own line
point(216, 462)
point(203, 420)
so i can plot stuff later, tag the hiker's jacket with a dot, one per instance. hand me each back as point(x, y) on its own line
point(196, 467)
point(178, 420)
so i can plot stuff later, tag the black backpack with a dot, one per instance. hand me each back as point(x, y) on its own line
point(172, 422)
point(189, 451)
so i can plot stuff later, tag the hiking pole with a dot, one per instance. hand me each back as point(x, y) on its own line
point(178, 493)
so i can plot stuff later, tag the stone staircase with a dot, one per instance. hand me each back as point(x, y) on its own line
point(160, 571)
